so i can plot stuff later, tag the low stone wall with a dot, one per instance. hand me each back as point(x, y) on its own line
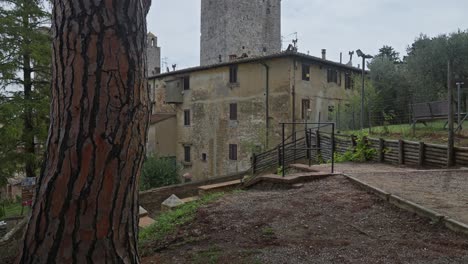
point(151, 200)
point(10, 243)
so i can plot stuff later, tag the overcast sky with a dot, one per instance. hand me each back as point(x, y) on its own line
point(335, 25)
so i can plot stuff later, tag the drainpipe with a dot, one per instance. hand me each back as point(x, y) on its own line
point(267, 103)
point(294, 99)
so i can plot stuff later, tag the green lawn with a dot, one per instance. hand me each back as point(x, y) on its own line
point(12, 210)
point(432, 132)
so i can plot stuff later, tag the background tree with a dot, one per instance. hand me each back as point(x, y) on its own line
point(427, 64)
point(24, 85)
point(388, 77)
point(86, 205)
point(389, 53)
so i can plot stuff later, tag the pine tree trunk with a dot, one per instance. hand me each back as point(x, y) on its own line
point(86, 205)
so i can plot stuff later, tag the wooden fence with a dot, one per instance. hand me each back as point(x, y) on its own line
point(388, 151)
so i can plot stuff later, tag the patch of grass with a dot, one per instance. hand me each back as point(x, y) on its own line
point(11, 210)
point(433, 132)
point(268, 231)
point(210, 256)
point(168, 222)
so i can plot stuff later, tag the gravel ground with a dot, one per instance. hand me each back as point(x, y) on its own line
point(327, 221)
point(443, 192)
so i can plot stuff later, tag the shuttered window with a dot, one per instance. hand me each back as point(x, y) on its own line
point(233, 73)
point(233, 112)
point(233, 152)
point(186, 117)
point(187, 83)
point(305, 72)
point(187, 157)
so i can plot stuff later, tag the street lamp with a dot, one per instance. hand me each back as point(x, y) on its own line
point(364, 57)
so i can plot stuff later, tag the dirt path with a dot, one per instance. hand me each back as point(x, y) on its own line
point(328, 221)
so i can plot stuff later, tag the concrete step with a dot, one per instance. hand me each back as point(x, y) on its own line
point(303, 167)
point(219, 187)
point(289, 180)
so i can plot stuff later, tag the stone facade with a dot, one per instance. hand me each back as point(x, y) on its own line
point(250, 27)
point(153, 55)
point(207, 102)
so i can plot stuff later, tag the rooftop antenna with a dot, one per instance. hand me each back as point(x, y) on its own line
point(164, 63)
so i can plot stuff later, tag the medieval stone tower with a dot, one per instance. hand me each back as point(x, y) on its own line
point(236, 28)
point(153, 55)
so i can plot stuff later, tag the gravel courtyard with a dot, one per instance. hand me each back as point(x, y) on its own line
point(445, 192)
point(326, 221)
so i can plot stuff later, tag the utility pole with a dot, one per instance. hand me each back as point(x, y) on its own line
point(459, 87)
point(364, 57)
point(363, 91)
point(451, 140)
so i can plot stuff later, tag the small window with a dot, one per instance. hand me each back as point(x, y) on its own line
point(305, 108)
point(187, 157)
point(233, 73)
point(203, 156)
point(186, 117)
point(187, 83)
point(233, 152)
point(305, 72)
point(348, 81)
point(332, 76)
point(233, 112)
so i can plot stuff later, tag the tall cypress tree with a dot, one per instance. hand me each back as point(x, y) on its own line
point(25, 55)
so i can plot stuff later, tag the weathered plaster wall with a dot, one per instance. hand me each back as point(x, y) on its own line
point(236, 27)
point(162, 138)
point(208, 100)
point(320, 93)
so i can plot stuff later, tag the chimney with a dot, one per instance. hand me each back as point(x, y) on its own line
point(341, 57)
point(324, 54)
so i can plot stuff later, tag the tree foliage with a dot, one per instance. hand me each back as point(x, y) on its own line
point(389, 78)
point(25, 56)
point(159, 172)
point(427, 64)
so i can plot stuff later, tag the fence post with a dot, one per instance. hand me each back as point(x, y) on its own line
point(353, 141)
point(317, 145)
point(279, 156)
point(381, 150)
point(401, 152)
point(254, 163)
point(422, 147)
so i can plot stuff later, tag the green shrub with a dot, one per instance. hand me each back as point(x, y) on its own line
point(159, 172)
point(361, 153)
point(2, 211)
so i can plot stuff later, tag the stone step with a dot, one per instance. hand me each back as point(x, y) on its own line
point(289, 180)
point(190, 199)
point(303, 167)
point(219, 187)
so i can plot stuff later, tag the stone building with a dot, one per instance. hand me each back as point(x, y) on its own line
point(153, 55)
point(223, 112)
point(232, 29)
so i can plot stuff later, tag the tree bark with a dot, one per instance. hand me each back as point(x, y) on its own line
point(86, 203)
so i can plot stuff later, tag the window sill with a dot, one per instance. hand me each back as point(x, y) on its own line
point(234, 85)
point(187, 164)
